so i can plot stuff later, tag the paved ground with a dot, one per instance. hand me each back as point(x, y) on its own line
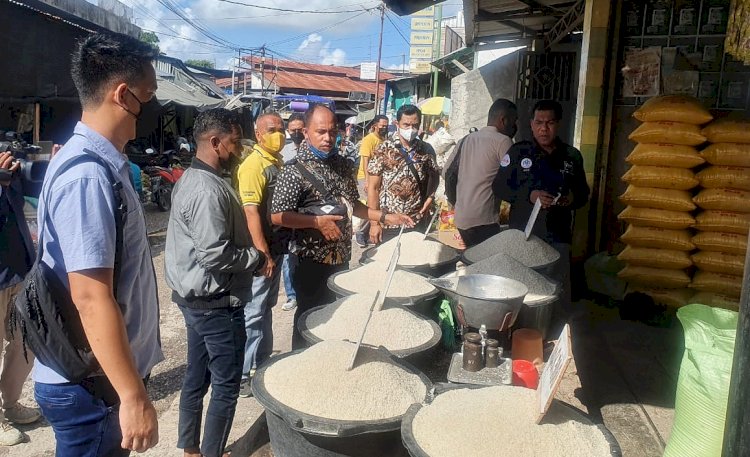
point(623, 376)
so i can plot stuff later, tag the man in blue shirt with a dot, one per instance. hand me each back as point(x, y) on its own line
point(16, 257)
point(108, 413)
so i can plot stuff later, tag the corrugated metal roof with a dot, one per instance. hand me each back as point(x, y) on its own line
point(498, 20)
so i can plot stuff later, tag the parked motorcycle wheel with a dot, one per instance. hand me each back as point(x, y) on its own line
point(164, 198)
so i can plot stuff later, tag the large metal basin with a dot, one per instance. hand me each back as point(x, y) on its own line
point(492, 301)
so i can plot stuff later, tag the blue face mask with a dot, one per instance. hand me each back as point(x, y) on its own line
point(322, 155)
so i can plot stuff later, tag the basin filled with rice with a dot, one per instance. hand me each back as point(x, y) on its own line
point(418, 254)
point(534, 253)
point(461, 421)
point(394, 327)
point(406, 286)
point(316, 406)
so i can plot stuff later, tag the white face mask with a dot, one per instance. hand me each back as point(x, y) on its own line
point(408, 134)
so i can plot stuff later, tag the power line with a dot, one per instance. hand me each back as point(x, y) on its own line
point(388, 16)
point(303, 35)
point(285, 10)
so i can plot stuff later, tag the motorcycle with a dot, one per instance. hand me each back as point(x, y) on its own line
point(161, 181)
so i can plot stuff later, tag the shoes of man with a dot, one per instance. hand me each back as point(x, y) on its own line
point(9, 435)
point(19, 414)
point(245, 390)
point(361, 239)
point(289, 305)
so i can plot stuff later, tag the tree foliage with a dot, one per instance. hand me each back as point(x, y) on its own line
point(200, 63)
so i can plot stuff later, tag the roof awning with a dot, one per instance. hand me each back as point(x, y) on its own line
point(170, 92)
point(457, 62)
point(491, 21)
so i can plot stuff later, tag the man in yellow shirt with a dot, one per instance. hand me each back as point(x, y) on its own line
point(256, 179)
point(370, 143)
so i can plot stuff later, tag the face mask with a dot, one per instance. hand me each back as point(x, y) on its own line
point(383, 132)
point(140, 106)
point(297, 137)
point(231, 163)
point(273, 142)
point(408, 134)
point(322, 155)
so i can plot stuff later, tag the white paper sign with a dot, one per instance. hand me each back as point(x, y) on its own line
point(553, 372)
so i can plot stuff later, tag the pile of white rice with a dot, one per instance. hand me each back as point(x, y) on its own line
point(370, 278)
point(540, 288)
point(316, 382)
point(497, 421)
point(415, 251)
point(533, 253)
point(393, 328)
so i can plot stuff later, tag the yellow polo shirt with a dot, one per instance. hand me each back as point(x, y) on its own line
point(254, 174)
point(368, 145)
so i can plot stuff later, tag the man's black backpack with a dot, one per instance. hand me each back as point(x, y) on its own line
point(44, 311)
point(450, 174)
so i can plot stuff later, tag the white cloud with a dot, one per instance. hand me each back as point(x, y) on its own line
point(313, 49)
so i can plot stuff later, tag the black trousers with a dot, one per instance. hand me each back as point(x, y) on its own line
point(478, 234)
point(311, 285)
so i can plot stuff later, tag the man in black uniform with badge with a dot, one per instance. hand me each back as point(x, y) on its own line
point(551, 171)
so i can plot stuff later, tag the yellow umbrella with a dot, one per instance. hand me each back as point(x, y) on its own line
point(435, 106)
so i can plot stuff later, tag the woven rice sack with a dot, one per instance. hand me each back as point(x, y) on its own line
point(728, 131)
point(677, 108)
point(729, 243)
point(718, 176)
point(716, 300)
point(655, 277)
point(657, 258)
point(668, 132)
point(719, 262)
point(665, 155)
point(673, 298)
point(729, 154)
point(659, 238)
point(724, 200)
point(723, 221)
point(660, 177)
point(646, 197)
point(660, 218)
point(728, 285)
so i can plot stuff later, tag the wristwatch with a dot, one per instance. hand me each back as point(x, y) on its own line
point(383, 214)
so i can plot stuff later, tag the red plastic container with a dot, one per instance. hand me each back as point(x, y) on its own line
point(525, 374)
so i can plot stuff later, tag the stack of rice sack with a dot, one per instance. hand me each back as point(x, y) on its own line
point(659, 198)
point(723, 221)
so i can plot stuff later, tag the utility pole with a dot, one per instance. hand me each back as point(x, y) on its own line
point(262, 70)
point(380, 54)
point(403, 64)
point(439, 12)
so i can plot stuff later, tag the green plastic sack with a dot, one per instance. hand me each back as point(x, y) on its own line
point(703, 383)
point(447, 324)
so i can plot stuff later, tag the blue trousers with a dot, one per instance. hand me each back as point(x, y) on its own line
point(216, 339)
point(84, 426)
point(259, 318)
point(287, 270)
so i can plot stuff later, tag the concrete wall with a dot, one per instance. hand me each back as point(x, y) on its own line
point(98, 16)
point(472, 93)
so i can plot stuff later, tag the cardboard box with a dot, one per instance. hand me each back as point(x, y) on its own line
point(451, 238)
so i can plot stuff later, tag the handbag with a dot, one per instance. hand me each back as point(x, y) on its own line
point(44, 312)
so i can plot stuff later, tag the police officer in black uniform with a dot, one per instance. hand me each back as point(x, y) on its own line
point(551, 171)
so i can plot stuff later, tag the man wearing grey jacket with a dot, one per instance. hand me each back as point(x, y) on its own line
point(210, 262)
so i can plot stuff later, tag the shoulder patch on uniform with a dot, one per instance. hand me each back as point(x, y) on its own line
point(505, 161)
point(526, 162)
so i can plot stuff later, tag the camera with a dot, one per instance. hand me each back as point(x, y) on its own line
point(30, 171)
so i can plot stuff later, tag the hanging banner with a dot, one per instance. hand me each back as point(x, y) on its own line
point(422, 23)
point(420, 66)
point(429, 11)
point(642, 72)
point(737, 43)
point(420, 52)
point(418, 38)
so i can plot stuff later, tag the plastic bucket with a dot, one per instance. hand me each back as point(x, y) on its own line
point(296, 434)
point(421, 356)
point(415, 450)
point(423, 304)
point(433, 270)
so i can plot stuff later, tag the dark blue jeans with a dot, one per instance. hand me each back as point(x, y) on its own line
point(216, 343)
point(83, 425)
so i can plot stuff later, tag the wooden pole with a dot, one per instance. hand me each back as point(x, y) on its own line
point(37, 121)
point(380, 55)
point(737, 428)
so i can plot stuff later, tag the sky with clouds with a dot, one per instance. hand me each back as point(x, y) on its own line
point(344, 33)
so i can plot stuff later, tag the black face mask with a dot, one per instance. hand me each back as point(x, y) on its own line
point(297, 137)
point(231, 163)
point(383, 132)
point(140, 106)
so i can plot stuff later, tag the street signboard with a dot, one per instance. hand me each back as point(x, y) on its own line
point(368, 71)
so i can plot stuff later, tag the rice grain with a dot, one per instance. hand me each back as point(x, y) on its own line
point(540, 288)
point(534, 252)
point(370, 278)
point(316, 382)
point(415, 251)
